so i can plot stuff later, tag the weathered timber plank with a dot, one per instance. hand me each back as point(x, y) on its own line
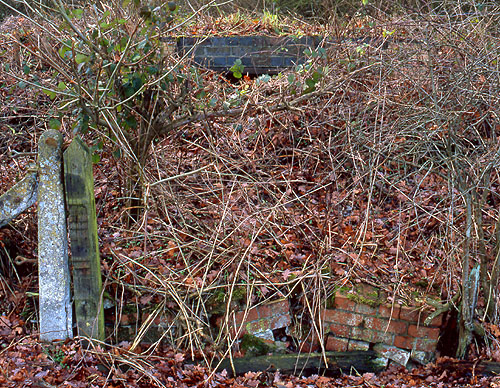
point(56, 317)
point(87, 282)
point(470, 368)
point(307, 364)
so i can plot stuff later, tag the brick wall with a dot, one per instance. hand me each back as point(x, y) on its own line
point(260, 320)
point(258, 54)
point(395, 325)
point(395, 331)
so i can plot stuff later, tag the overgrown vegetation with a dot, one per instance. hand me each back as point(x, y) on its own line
point(376, 161)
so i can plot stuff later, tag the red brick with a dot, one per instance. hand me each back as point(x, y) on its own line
point(232, 331)
point(258, 326)
point(265, 311)
point(410, 314)
point(340, 330)
point(425, 345)
point(381, 337)
point(309, 344)
point(404, 342)
point(335, 344)
point(128, 319)
point(233, 328)
point(424, 332)
point(375, 323)
point(373, 336)
point(277, 307)
point(237, 318)
point(309, 347)
point(389, 311)
point(237, 332)
point(414, 315)
point(344, 303)
point(358, 345)
point(365, 309)
point(280, 321)
point(437, 321)
point(396, 327)
point(343, 317)
point(156, 321)
point(251, 314)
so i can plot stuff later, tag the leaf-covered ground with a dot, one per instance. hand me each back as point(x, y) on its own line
point(296, 195)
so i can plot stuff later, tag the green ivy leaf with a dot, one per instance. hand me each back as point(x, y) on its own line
point(310, 82)
point(77, 13)
point(237, 69)
point(66, 46)
point(316, 76)
point(131, 121)
point(26, 69)
point(49, 93)
point(128, 89)
point(55, 124)
point(135, 57)
point(81, 58)
point(137, 83)
point(264, 78)
point(61, 86)
point(152, 69)
point(82, 124)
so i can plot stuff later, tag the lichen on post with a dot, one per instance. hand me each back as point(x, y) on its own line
point(18, 198)
point(82, 223)
point(53, 268)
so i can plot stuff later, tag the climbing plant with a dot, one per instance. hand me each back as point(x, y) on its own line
point(118, 76)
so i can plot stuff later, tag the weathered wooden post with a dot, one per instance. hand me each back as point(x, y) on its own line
point(82, 223)
point(53, 269)
point(19, 197)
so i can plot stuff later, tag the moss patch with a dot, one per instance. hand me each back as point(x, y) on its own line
point(254, 346)
point(217, 302)
point(361, 294)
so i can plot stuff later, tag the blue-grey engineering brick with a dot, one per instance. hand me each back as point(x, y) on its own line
point(220, 62)
point(259, 54)
point(216, 51)
point(250, 41)
point(260, 60)
point(277, 61)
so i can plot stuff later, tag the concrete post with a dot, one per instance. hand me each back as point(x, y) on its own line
point(53, 270)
